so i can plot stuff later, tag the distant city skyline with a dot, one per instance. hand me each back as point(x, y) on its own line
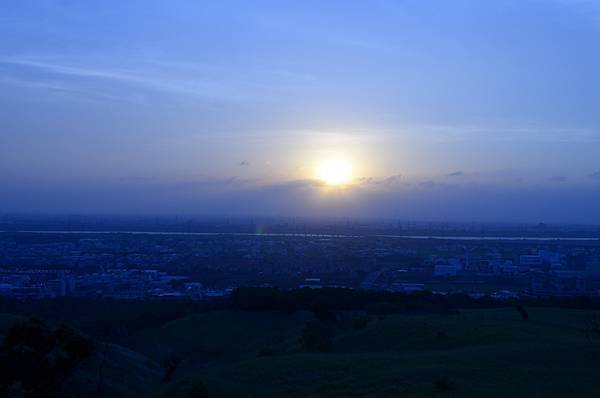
point(424, 110)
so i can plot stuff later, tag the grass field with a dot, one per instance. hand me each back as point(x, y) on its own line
point(477, 353)
point(471, 353)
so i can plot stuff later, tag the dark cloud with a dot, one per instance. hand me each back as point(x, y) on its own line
point(368, 181)
point(393, 179)
point(244, 163)
point(423, 200)
point(456, 174)
point(388, 181)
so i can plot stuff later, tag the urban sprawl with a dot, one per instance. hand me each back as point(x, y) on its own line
point(139, 266)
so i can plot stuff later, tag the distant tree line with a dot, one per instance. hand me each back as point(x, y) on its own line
point(108, 319)
point(117, 320)
point(330, 300)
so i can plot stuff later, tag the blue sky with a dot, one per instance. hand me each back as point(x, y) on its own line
point(447, 110)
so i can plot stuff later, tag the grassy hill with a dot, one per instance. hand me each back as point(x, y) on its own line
point(117, 372)
point(490, 352)
point(112, 371)
point(475, 353)
point(221, 336)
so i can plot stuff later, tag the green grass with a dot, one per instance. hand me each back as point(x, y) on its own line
point(117, 372)
point(112, 371)
point(475, 353)
point(492, 371)
point(220, 336)
point(7, 320)
point(491, 353)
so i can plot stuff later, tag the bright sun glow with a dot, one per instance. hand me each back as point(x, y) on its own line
point(335, 172)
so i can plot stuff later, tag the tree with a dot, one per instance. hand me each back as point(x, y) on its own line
point(523, 312)
point(170, 363)
point(198, 390)
point(39, 359)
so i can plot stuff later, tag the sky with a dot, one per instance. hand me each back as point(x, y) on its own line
point(441, 110)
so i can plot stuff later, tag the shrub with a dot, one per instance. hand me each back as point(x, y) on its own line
point(39, 359)
point(317, 336)
point(265, 352)
point(523, 312)
point(443, 384)
point(360, 322)
point(198, 390)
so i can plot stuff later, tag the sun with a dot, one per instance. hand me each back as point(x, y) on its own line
point(335, 172)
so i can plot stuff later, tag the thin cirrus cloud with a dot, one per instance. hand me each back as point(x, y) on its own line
point(508, 133)
point(59, 88)
point(159, 80)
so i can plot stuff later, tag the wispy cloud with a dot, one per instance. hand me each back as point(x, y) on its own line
point(48, 85)
point(457, 133)
point(164, 80)
point(386, 181)
point(427, 184)
point(65, 89)
point(595, 175)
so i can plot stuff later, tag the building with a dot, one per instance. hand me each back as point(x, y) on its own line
point(553, 284)
point(447, 267)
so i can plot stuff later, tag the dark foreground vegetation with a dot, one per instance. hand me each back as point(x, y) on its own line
point(324, 342)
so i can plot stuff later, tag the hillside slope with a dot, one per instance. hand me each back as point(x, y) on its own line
point(468, 353)
point(492, 353)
